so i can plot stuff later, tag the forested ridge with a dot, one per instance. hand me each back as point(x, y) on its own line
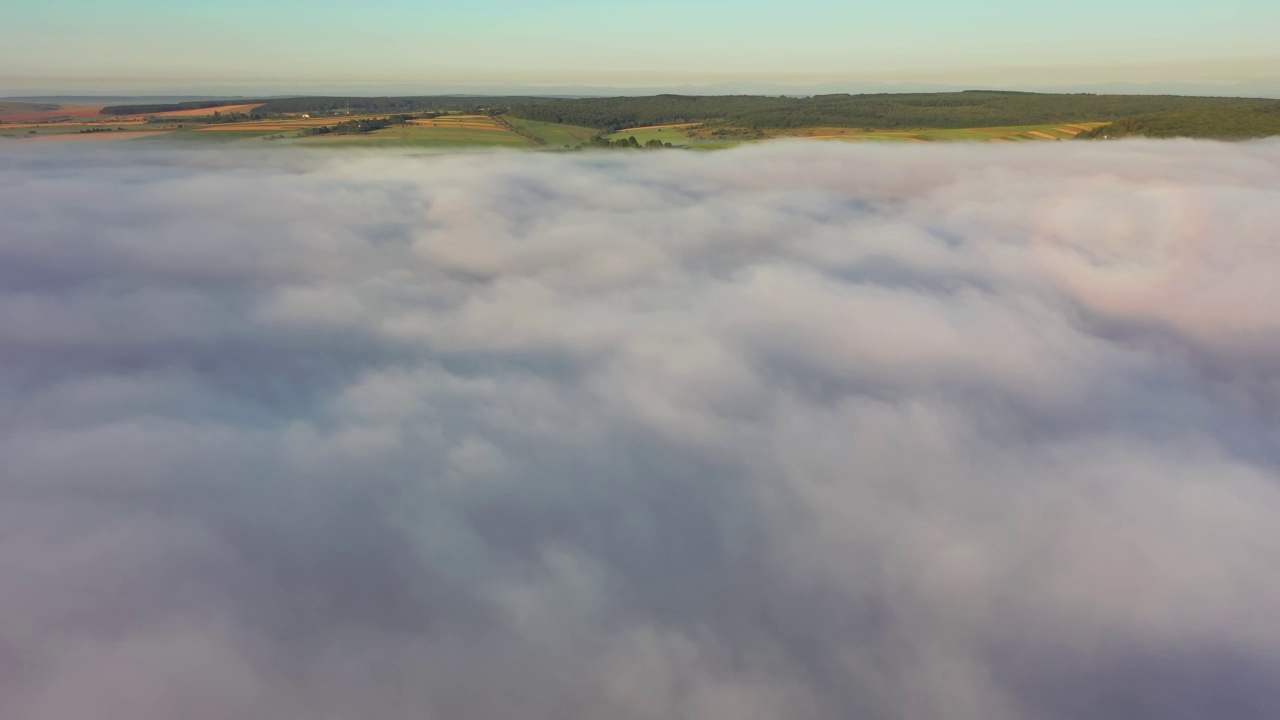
point(972, 108)
point(1218, 123)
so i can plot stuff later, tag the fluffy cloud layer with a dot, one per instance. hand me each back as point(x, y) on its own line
point(799, 431)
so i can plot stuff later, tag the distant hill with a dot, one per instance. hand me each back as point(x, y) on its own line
point(337, 104)
point(14, 108)
point(154, 108)
point(395, 104)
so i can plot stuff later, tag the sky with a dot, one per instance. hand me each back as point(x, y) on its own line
point(798, 430)
point(144, 45)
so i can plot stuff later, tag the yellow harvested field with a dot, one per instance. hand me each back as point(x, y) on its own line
point(1043, 135)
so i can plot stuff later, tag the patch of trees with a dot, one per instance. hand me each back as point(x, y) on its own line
point(627, 143)
point(358, 127)
point(972, 108)
point(219, 118)
point(1231, 123)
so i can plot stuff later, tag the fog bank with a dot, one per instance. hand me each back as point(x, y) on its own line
point(801, 430)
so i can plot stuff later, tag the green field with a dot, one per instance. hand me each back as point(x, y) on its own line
point(555, 135)
point(673, 135)
point(415, 136)
point(42, 130)
point(285, 133)
point(1012, 133)
point(688, 136)
point(210, 137)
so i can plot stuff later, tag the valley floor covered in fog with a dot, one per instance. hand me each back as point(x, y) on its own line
point(803, 431)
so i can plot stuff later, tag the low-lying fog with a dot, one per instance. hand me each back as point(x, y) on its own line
point(798, 431)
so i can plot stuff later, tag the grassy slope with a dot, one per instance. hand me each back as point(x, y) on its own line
point(555, 135)
point(285, 133)
point(673, 135)
point(411, 136)
point(720, 136)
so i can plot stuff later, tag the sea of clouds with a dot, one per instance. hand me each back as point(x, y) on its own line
point(800, 431)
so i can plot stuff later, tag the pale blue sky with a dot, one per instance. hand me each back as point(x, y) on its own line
point(610, 42)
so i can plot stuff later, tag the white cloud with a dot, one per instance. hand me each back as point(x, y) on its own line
point(799, 430)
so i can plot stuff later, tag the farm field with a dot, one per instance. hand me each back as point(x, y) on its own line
point(203, 137)
point(208, 112)
point(698, 136)
point(484, 131)
point(460, 122)
point(1016, 133)
point(676, 134)
point(693, 122)
point(70, 130)
point(412, 135)
point(111, 137)
point(456, 129)
point(447, 131)
point(555, 134)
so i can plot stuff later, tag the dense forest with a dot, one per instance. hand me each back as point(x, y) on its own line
point(1222, 124)
point(973, 108)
